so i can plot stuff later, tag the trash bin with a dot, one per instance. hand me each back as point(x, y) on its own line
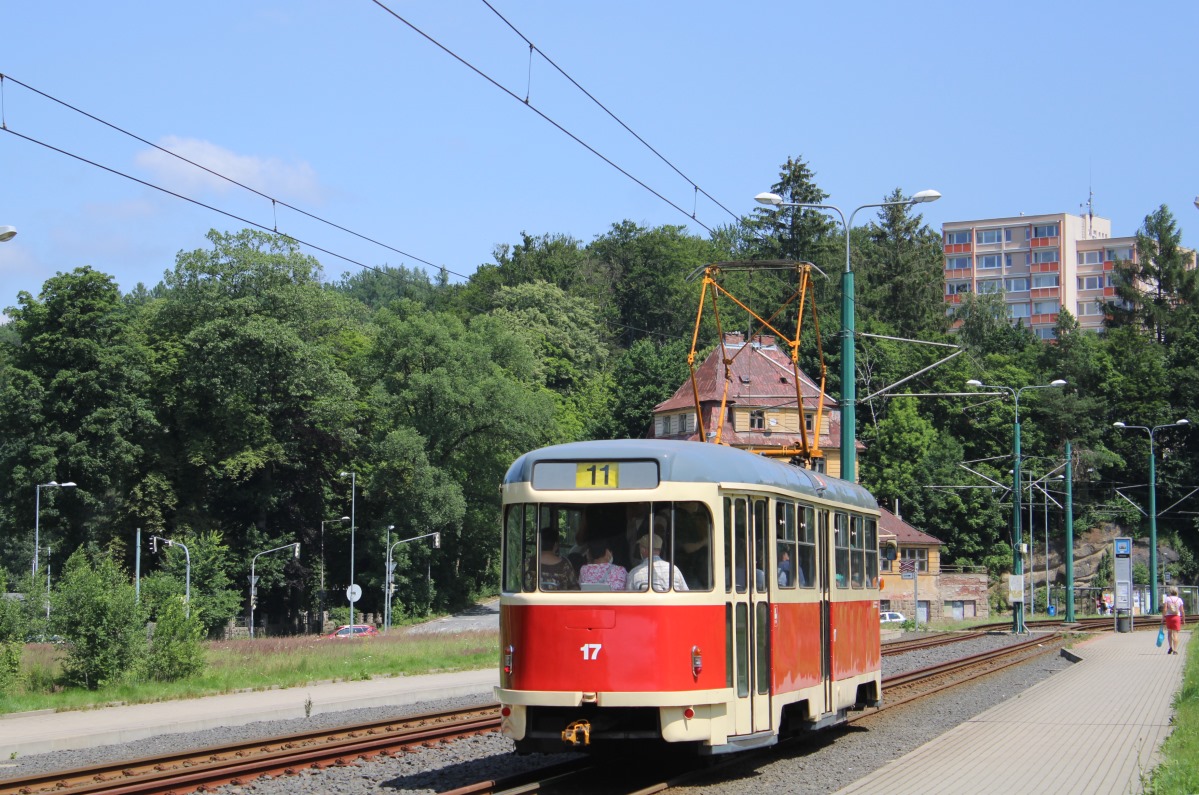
point(1052, 610)
point(1124, 622)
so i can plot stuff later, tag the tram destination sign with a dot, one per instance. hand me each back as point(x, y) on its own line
point(595, 475)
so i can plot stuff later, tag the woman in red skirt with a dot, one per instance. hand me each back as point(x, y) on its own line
point(1172, 618)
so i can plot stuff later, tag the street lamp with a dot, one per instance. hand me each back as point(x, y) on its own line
point(1017, 538)
point(351, 590)
point(323, 523)
point(391, 567)
point(254, 579)
point(7, 233)
point(848, 383)
point(37, 511)
point(187, 578)
point(1153, 606)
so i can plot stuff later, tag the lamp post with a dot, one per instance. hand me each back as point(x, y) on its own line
point(37, 512)
point(7, 233)
point(1017, 538)
point(390, 586)
point(848, 382)
point(254, 579)
point(1153, 605)
point(187, 578)
point(353, 484)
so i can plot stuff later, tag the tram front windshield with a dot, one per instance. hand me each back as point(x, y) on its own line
point(628, 546)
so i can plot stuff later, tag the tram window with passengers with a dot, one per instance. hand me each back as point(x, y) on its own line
point(748, 603)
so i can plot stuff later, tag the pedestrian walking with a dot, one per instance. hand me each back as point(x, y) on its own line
point(1172, 609)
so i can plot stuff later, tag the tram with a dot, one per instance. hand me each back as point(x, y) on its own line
point(749, 607)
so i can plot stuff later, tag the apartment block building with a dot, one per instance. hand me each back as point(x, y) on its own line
point(1039, 263)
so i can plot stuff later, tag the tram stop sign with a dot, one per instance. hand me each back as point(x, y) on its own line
point(907, 569)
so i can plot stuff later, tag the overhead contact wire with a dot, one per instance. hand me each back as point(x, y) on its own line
point(533, 108)
point(646, 144)
point(216, 174)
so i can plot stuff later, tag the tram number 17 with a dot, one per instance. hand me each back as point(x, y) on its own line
point(591, 650)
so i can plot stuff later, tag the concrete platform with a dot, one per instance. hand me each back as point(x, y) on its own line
point(28, 733)
point(1094, 728)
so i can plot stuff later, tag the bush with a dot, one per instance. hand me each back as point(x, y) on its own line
point(175, 648)
point(96, 613)
point(10, 666)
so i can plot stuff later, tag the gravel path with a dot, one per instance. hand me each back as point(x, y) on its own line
point(832, 760)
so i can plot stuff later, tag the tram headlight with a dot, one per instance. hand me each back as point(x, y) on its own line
point(697, 661)
point(508, 650)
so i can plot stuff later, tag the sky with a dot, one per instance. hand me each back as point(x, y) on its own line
point(354, 112)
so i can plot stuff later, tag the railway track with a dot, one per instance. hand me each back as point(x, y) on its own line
point(240, 763)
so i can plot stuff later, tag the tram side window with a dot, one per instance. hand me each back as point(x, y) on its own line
point(736, 543)
point(806, 568)
point(871, 553)
point(691, 543)
point(841, 547)
point(857, 556)
point(785, 550)
point(515, 551)
point(761, 542)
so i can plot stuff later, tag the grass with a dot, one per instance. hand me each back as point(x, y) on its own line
point(1179, 769)
point(261, 664)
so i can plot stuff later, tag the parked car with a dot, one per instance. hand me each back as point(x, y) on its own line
point(355, 631)
point(891, 618)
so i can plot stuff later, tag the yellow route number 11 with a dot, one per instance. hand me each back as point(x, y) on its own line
point(597, 475)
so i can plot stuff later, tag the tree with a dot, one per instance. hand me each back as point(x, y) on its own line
point(1158, 280)
point(175, 650)
point(645, 375)
point(650, 267)
point(901, 265)
point(73, 407)
point(450, 406)
point(95, 611)
point(794, 233)
point(983, 324)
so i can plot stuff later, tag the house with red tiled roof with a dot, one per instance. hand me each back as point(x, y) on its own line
point(761, 411)
point(931, 590)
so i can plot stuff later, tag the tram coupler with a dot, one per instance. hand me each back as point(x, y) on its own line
point(571, 733)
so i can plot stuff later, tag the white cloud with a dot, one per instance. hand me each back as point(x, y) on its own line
point(287, 181)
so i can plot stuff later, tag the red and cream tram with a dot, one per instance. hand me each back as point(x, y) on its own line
point(689, 649)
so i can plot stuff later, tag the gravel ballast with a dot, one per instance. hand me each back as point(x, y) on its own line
point(837, 758)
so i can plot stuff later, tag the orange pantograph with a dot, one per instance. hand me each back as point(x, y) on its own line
point(713, 290)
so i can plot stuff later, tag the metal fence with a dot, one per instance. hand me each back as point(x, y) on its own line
point(1087, 601)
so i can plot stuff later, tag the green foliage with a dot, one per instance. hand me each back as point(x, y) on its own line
point(13, 624)
point(10, 666)
point(1140, 573)
point(1104, 572)
point(94, 610)
point(175, 648)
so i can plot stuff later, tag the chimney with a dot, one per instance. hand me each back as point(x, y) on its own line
point(764, 340)
point(734, 338)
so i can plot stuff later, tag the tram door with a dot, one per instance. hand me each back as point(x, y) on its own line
point(823, 550)
point(747, 535)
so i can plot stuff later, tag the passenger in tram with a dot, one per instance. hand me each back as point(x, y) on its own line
point(652, 567)
point(554, 571)
point(785, 570)
point(601, 570)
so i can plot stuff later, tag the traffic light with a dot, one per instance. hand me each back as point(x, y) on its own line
point(889, 549)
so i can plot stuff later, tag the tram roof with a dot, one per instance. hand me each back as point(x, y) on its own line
point(699, 462)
